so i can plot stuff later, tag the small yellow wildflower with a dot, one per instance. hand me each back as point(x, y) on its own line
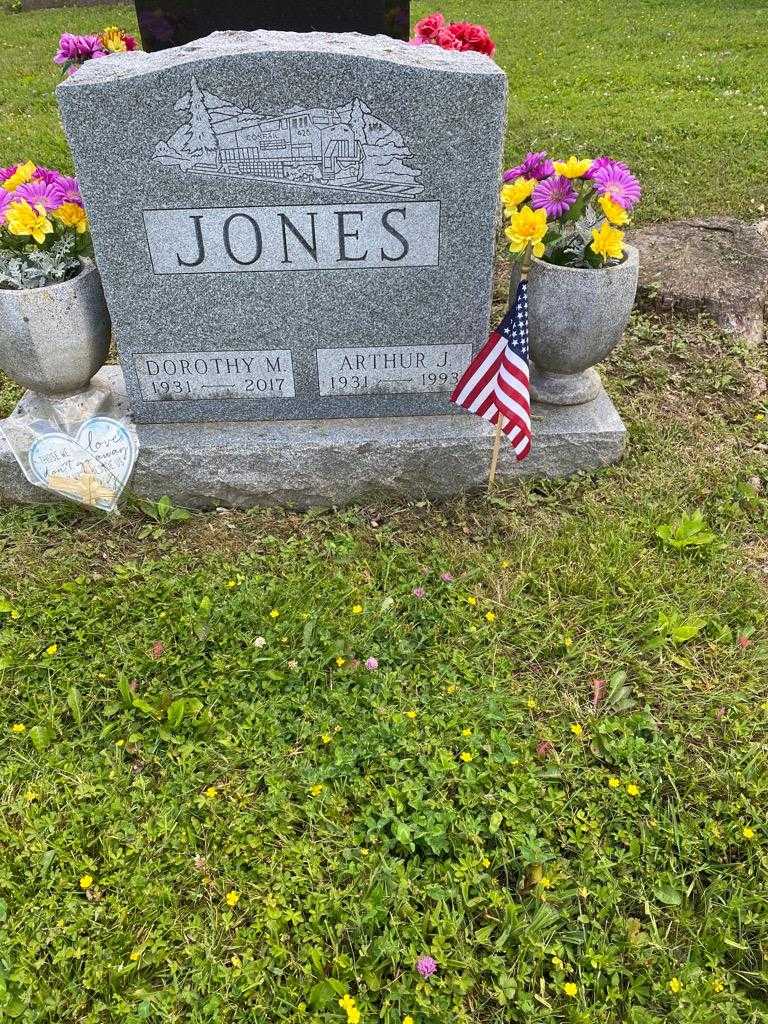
point(72, 215)
point(607, 242)
point(490, 616)
point(613, 782)
point(364, 851)
point(675, 985)
point(567, 642)
point(527, 227)
point(505, 564)
point(486, 862)
point(18, 727)
point(326, 737)
point(120, 743)
point(718, 985)
point(51, 650)
point(86, 881)
point(516, 192)
point(748, 833)
point(15, 614)
point(465, 756)
point(408, 1019)
point(571, 989)
point(211, 792)
point(23, 219)
point(232, 898)
point(30, 796)
point(545, 882)
point(472, 600)
point(583, 892)
point(22, 174)
point(357, 609)
point(633, 789)
point(410, 714)
point(466, 732)
point(135, 954)
point(760, 416)
point(451, 689)
point(572, 168)
point(231, 584)
point(576, 728)
point(317, 789)
point(531, 704)
point(340, 662)
point(274, 614)
point(615, 213)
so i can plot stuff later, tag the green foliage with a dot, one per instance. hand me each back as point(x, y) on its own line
point(163, 514)
point(690, 531)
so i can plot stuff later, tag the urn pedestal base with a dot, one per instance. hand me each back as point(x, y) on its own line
point(303, 463)
point(564, 388)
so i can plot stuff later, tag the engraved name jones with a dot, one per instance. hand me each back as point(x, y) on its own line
point(272, 238)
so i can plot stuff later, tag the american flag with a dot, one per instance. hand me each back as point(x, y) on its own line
point(495, 384)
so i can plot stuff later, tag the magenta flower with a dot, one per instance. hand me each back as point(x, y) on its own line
point(70, 189)
point(47, 175)
point(372, 664)
point(5, 199)
point(556, 195)
point(7, 172)
point(419, 592)
point(535, 165)
point(426, 966)
point(78, 48)
point(602, 162)
point(41, 193)
point(447, 577)
point(616, 181)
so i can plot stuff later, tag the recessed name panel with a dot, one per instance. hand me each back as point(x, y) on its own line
point(195, 376)
point(391, 370)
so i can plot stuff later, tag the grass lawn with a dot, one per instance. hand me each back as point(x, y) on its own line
point(554, 781)
point(674, 87)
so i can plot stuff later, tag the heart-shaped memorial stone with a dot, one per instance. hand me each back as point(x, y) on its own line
point(92, 467)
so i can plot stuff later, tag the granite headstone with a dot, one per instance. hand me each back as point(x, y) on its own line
point(291, 226)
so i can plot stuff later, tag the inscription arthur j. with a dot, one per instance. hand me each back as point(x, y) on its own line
point(274, 238)
point(346, 147)
point(391, 370)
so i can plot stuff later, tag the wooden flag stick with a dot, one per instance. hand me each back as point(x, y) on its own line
point(524, 270)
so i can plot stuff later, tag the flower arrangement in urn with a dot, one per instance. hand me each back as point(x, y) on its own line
point(455, 35)
point(54, 324)
point(564, 219)
point(74, 50)
point(571, 211)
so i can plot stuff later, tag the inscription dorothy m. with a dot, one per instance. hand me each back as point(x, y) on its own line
point(274, 238)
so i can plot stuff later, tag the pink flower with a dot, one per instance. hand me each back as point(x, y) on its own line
point(620, 184)
point(7, 172)
point(744, 641)
point(41, 193)
point(426, 966)
point(446, 39)
point(70, 189)
point(372, 664)
point(419, 592)
point(5, 199)
point(473, 37)
point(544, 748)
point(426, 30)
point(446, 577)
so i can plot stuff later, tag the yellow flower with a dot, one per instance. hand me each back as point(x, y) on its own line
point(472, 600)
point(232, 898)
point(557, 963)
point(357, 609)
point(30, 796)
point(583, 892)
point(633, 790)
point(531, 704)
point(571, 989)
point(364, 851)
point(572, 168)
point(567, 642)
point(576, 729)
point(18, 727)
point(15, 614)
point(608, 242)
point(135, 954)
point(408, 1019)
point(341, 661)
point(759, 417)
point(505, 564)
point(516, 192)
point(112, 40)
point(22, 219)
point(466, 732)
point(120, 743)
point(274, 613)
point(675, 985)
point(326, 737)
point(748, 833)
point(231, 584)
point(486, 862)
point(72, 215)
point(613, 782)
point(490, 616)
point(465, 756)
point(22, 174)
point(86, 881)
point(317, 789)
point(545, 882)
point(718, 985)
point(211, 792)
point(353, 1014)
point(451, 689)
point(51, 650)
point(410, 714)
point(527, 227)
point(615, 213)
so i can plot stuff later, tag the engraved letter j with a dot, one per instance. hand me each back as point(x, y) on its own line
point(196, 217)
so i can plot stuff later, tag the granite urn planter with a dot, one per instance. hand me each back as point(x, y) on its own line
point(54, 339)
point(576, 319)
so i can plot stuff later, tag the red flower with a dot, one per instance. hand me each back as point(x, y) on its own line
point(427, 29)
point(544, 748)
point(744, 641)
point(158, 650)
point(447, 39)
point(473, 37)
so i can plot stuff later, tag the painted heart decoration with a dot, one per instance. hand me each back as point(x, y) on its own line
point(92, 467)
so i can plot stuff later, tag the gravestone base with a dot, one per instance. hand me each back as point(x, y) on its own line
point(338, 462)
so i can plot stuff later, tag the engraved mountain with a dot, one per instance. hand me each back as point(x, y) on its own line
point(346, 147)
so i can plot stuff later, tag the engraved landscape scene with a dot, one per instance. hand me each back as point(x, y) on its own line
point(346, 147)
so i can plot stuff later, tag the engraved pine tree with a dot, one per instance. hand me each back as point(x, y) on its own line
point(202, 138)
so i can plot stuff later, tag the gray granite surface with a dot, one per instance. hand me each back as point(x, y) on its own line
point(337, 462)
point(272, 192)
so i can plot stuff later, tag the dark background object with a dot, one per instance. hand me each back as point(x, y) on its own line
point(165, 23)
